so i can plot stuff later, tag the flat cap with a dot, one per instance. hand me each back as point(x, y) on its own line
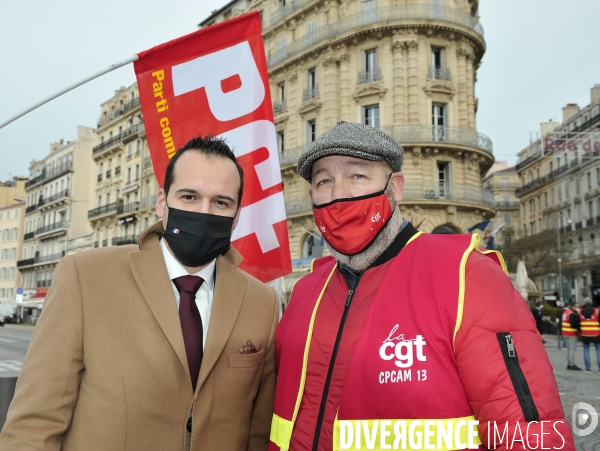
point(354, 140)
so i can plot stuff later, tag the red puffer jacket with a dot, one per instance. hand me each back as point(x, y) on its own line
point(493, 307)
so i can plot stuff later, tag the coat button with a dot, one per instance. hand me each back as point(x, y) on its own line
point(189, 425)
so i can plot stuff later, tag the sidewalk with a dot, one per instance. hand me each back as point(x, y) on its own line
point(576, 386)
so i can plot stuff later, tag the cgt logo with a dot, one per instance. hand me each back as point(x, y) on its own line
point(584, 419)
point(402, 349)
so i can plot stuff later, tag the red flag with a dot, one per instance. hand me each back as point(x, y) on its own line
point(215, 81)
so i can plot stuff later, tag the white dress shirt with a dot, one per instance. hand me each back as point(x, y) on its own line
point(204, 295)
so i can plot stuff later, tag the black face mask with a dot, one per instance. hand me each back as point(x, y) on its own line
point(197, 238)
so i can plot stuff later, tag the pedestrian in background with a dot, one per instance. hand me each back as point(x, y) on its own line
point(590, 333)
point(570, 330)
point(538, 314)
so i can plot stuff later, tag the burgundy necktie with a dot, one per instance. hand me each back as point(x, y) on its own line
point(191, 322)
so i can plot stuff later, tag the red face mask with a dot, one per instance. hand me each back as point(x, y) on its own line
point(351, 225)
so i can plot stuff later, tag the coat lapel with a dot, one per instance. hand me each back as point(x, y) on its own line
point(150, 273)
point(227, 302)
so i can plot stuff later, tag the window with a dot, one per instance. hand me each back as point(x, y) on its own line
point(550, 167)
point(579, 214)
point(280, 47)
point(546, 200)
point(99, 201)
point(138, 147)
point(439, 121)
point(281, 141)
point(589, 180)
point(532, 225)
point(437, 68)
point(504, 182)
point(507, 219)
point(107, 198)
point(311, 84)
point(566, 190)
point(370, 67)
point(577, 186)
point(137, 172)
point(368, 12)
point(540, 225)
point(371, 115)
point(443, 177)
point(128, 150)
point(559, 193)
point(128, 175)
point(311, 130)
point(311, 32)
point(506, 199)
point(312, 247)
point(281, 92)
point(590, 210)
point(597, 176)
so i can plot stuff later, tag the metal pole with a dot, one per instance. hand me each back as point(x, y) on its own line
point(560, 281)
point(112, 67)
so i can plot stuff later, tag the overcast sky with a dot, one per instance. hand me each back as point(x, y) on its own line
point(541, 55)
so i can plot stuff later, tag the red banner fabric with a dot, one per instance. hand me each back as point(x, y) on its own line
point(215, 81)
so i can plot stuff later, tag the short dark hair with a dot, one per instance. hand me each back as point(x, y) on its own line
point(209, 146)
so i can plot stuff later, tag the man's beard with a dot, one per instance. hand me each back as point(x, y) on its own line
point(364, 259)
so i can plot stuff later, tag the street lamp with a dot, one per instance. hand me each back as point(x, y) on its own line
point(560, 281)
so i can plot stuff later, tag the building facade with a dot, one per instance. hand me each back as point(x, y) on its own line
point(502, 181)
point(408, 69)
point(560, 190)
point(124, 186)
point(11, 243)
point(57, 197)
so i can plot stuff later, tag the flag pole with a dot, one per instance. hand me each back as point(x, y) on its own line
point(112, 67)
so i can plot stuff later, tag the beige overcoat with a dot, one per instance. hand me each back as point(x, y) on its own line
point(107, 370)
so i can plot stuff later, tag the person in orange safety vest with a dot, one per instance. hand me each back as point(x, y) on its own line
point(590, 333)
point(402, 336)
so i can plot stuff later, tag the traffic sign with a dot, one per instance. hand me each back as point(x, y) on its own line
point(20, 290)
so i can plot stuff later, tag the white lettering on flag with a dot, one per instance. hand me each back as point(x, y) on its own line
point(210, 70)
point(259, 218)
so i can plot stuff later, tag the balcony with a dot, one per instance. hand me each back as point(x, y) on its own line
point(148, 202)
point(439, 73)
point(80, 243)
point(122, 241)
point(290, 156)
point(298, 205)
point(50, 174)
point(369, 76)
point(405, 134)
point(131, 105)
point(589, 222)
point(578, 225)
point(133, 132)
point(383, 16)
point(109, 117)
point(310, 93)
point(278, 107)
point(507, 204)
point(28, 236)
point(30, 209)
point(447, 193)
point(103, 211)
point(110, 143)
point(128, 208)
point(43, 283)
point(44, 202)
point(51, 228)
point(26, 262)
point(49, 258)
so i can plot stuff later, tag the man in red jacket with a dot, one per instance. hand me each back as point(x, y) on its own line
point(403, 340)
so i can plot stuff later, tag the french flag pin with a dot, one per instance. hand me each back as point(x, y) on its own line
point(175, 231)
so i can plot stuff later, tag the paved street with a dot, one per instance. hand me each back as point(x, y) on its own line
point(574, 386)
point(13, 346)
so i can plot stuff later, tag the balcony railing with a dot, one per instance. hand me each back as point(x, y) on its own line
point(447, 192)
point(43, 283)
point(369, 76)
point(440, 73)
point(50, 174)
point(290, 156)
point(80, 241)
point(122, 241)
point(128, 208)
point(26, 262)
point(148, 202)
point(111, 142)
point(278, 107)
point(507, 204)
point(53, 198)
point(30, 209)
point(52, 227)
point(132, 131)
point(131, 104)
point(106, 209)
point(49, 258)
point(310, 93)
point(437, 133)
point(298, 205)
point(28, 236)
point(383, 16)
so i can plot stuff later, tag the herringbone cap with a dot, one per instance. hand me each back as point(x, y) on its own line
point(355, 140)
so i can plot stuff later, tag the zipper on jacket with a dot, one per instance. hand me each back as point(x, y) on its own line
point(511, 360)
point(338, 339)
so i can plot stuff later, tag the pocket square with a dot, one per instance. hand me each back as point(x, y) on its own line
point(248, 348)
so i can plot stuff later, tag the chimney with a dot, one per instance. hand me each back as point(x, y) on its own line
point(548, 127)
point(569, 111)
point(596, 93)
